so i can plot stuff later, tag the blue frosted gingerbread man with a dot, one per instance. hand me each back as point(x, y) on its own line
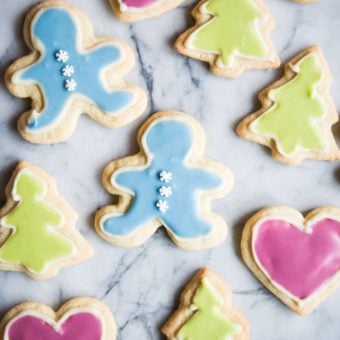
point(66, 71)
point(168, 188)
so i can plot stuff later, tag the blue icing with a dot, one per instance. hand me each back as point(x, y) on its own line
point(56, 30)
point(168, 143)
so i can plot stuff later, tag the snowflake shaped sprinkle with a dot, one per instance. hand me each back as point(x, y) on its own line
point(62, 56)
point(165, 176)
point(70, 85)
point(67, 71)
point(162, 206)
point(165, 191)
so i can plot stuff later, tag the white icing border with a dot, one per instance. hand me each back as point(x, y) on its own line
point(143, 167)
point(257, 27)
point(56, 324)
point(74, 96)
point(314, 121)
point(52, 229)
point(307, 228)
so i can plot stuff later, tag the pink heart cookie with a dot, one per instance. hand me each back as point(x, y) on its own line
point(138, 3)
point(136, 10)
point(78, 319)
point(297, 258)
point(77, 326)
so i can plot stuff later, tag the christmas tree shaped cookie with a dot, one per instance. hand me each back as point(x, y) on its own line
point(37, 233)
point(135, 10)
point(168, 183)
point(231, 36)
point(69, 72)
point(206, 312)
point(297, 112)
point(81, 318)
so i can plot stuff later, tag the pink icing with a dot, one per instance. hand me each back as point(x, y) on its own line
point(138, 3)
point(78, 326)
point(298, 261)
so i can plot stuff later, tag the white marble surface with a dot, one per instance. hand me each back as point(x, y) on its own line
point(142, 285)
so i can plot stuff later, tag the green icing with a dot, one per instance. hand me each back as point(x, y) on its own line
point(208, 322)
point(292, 119)
point(33, 243)
point(231, 31)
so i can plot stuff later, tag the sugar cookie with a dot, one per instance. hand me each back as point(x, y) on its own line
point(168, 183)
point(37, 226)
point(297, 258)
point(206, 312)
point(231, 37)
point(136, 10)
point(297, 112)
point(79, 319)
point(69, 72)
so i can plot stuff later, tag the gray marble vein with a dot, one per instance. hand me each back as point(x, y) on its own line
point(142, 285)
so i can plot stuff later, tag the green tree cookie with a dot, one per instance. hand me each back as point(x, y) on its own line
point(293, 118)
point(208, 322)
point(33, 242)
point(231, 31)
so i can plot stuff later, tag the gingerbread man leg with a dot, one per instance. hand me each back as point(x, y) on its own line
point(126, 224)
point(187, 225)
point(47, 116)
point(108, 101)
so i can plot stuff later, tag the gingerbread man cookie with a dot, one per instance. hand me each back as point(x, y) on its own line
point(168, 183)
point(70, 72)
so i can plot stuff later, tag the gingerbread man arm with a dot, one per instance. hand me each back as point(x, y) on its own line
point(205, 179)
point(128, 178)
point(105, 54)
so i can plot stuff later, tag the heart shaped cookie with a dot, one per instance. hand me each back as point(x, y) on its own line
point(296, 258)
point(78, 319)
point(136, 10)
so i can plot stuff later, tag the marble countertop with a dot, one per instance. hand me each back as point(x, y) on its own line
point(142, 285)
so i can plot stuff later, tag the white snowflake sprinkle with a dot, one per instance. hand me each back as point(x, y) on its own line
point(165, 176)
point(62, 56)
point(162, 206)
point(165, 191)
point(67, 71)
point(70, 85)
